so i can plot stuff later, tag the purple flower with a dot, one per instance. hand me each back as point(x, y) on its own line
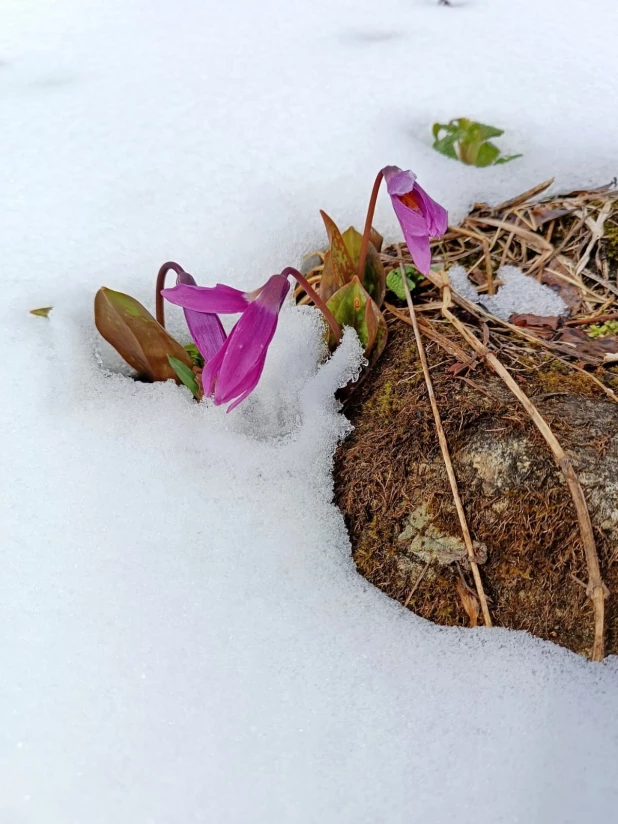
point(206, 329)
point(233, 365)
point(419, 216)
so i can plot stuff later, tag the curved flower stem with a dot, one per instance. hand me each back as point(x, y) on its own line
point(330, 318)
point(368, 224)
point(159, 302)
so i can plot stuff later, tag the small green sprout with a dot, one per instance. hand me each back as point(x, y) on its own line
point(469, 141)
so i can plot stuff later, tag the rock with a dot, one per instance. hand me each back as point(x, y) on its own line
point(429, 544)
point(391, 484)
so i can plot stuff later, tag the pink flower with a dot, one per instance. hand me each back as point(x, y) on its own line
point(419, 216)
point(206, 329)
point(234, 366)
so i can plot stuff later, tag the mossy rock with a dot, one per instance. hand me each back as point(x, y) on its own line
point(392, 487)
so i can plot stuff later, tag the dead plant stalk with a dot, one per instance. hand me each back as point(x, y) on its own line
point(446, 455)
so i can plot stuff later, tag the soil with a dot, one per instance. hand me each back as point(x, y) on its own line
point(391, 484)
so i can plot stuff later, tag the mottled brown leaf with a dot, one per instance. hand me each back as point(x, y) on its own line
point(136, 336)
point(338, 266)
point(353, 306)
point(374, 278)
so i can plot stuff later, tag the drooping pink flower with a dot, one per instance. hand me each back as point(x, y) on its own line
point(206, 329)
point(233, 371)
point(420, 217)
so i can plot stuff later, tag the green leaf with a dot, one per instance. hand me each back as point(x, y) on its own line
point(194, 353)
point(136, 335)
point(462, 123)
point(352, 306)
point(43, 312)
point(377, 321)
point(186, 375)
point(349, 306)
point(487, 155)
point(468, 141)
point(374, 278)
point(507, 159)
point(353, 241)
point(446, 146)
point(395, 282)
point(438, 127)
point(338, 266)
point(486, 132)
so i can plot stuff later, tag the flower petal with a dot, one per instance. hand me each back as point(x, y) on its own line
point(246, 347)
point(398, 181)
point(205, 327)
point(421, 252)
point(436, 215)
point(412, 221)
point(420, 217)
point(251, 381)
point(211, 370)
point(207, 331)
point(211, 299)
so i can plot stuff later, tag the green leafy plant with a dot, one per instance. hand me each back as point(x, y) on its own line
point(603, 330)
point(394, 281)
point(355, 301)
point(468, 141)
point(194, 353)
point(186, 375)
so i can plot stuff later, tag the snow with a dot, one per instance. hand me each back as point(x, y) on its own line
point(518, 294)
point(184, 636)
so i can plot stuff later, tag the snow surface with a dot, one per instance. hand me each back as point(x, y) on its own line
point(183, 636)
point(518, 294)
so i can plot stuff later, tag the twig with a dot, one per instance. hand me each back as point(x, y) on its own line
point(596, 227)
point(523, 197)
point(596, 589)
point(446, 455)
point(466, 232)
point(417, 582)
point(593, 319)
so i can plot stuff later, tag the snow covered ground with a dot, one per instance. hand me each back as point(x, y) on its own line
point(183, 637)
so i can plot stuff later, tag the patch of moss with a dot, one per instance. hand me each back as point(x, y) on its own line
point(383, 402)
point(557, 377)
point(610, 239)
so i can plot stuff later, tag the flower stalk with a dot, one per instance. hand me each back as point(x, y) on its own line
point(159, 301)
point(321, 305)
point(369, 223)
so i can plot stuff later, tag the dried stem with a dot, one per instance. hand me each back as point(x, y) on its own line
point(593, 319)
point(159, 302)
point(417, 583)
point(446, 455)
point(596, 589)
point(321, 305)
point(368, 224)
